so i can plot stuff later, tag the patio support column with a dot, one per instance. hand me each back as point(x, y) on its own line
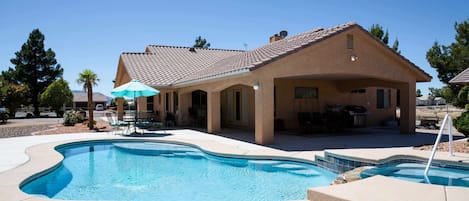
point(183, 111)
point(407, 108)
point(213, 112)
point(120, 108)
point(264, 112)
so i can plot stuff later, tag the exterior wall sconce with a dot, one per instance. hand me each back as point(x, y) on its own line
point(255, 86)
point(353, 58)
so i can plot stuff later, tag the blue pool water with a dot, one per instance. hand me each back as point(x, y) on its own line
point(156, 171)
point(414, 172)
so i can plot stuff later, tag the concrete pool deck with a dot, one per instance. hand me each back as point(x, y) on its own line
point(26, 156)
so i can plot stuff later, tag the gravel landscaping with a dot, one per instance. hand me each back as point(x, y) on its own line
point(21, 130)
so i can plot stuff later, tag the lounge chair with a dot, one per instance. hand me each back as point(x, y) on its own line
point(117, 125)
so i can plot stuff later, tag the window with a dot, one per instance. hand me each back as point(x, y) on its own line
point(383, 98)
point(150, 103)
point(167, 102)
point(175, 101)
point(306, 92)
point(398, 98)
point(238, 105)
point(199, 99)
point(349, 41)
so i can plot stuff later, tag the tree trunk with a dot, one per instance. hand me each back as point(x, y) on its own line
point(36, 111)
point(90, 106)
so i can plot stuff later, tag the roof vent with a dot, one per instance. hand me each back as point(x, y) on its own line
point(192, 49)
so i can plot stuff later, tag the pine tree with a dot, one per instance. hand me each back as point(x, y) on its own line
point(35, 68)
point(378, 31)
point(452, 59)
point(201, 42)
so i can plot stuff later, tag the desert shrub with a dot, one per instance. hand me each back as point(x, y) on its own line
point(462, 123)
point(71, 118)
point(80, 117)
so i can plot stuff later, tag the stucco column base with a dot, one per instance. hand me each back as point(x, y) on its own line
point(213, 112)
point(408, 107)
point(264, 112)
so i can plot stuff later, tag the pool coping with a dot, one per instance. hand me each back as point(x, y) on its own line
point(43, 157)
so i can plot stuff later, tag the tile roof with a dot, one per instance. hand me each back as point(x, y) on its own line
point(83, 97)
point(255, 58)
point(461, 78)
point(169, 65)
point(164, 65)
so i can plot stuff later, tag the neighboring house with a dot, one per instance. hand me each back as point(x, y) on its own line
point(439, 101)
point(341, 65)
point(425, 100)
point(461, 79)
point(430, 100)
point(80, 100)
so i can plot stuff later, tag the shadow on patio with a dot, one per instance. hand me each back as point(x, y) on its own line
point(376, 137)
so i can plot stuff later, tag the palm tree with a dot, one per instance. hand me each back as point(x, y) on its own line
point(89, 79)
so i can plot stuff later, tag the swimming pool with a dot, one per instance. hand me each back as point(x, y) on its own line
point(414, 172)
point(162, 171)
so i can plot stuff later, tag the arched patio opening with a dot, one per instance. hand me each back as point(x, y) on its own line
point(237, 107)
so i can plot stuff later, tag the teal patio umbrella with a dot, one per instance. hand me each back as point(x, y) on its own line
point(134, 89)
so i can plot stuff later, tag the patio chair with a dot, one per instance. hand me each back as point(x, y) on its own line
point(116, 125)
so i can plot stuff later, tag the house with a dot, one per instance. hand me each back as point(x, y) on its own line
point(425, 100)
point(461, 79)
point(80, 100)
point(439, 101)
point(310, 72)
point(430, 100)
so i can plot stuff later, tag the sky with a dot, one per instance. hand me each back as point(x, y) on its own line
point(90, 34)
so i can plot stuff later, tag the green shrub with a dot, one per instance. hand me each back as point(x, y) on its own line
point(71, 118)
point(462, 123)
point(80, 117)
